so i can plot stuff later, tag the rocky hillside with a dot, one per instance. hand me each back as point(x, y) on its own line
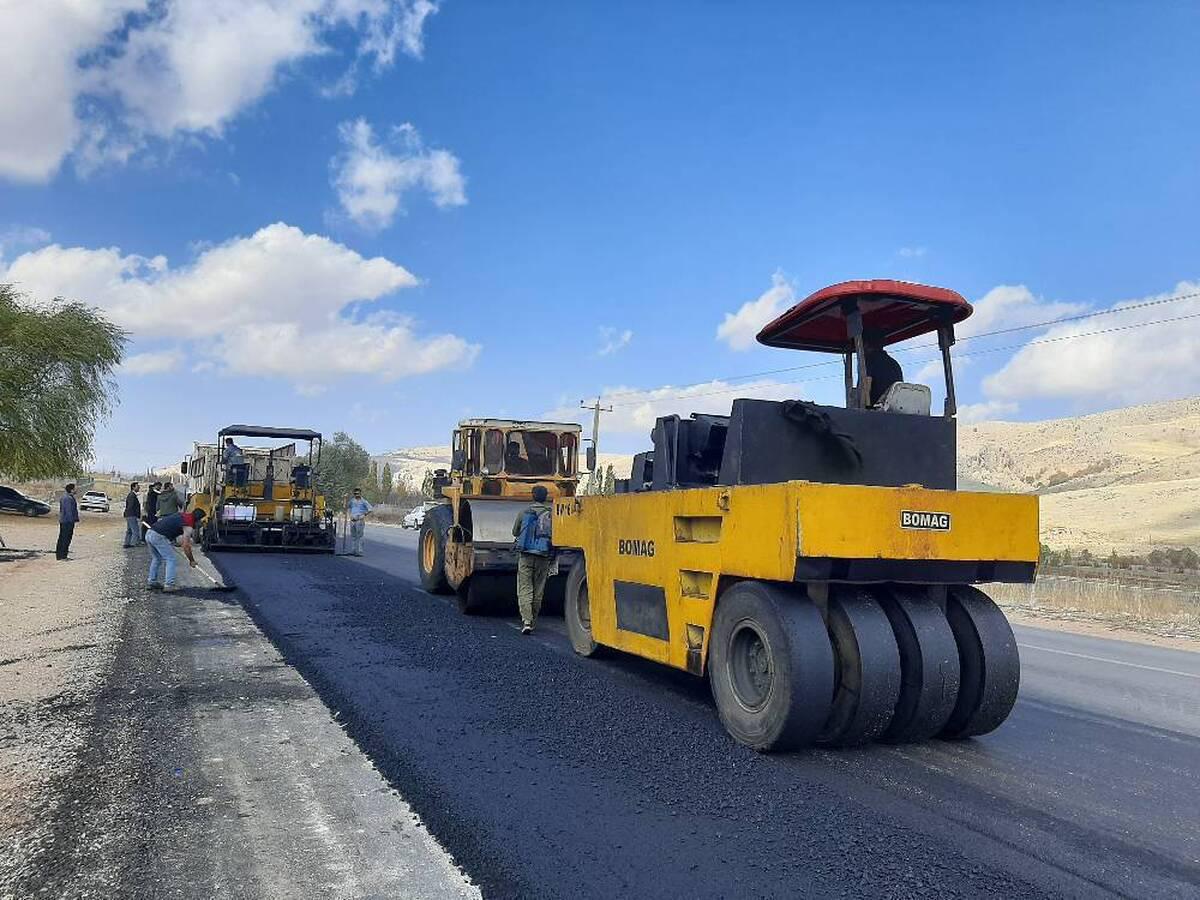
point(1127, 479)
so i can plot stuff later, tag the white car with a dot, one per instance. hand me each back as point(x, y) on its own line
point(417, 514)
point(94, 500)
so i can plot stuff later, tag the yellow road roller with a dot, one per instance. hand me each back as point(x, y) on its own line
point(816, 562)
point(466, 543)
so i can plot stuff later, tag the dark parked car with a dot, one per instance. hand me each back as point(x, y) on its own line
point(12, 500)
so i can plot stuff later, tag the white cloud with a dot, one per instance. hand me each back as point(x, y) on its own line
point(986, 411)
point(371, 178)
point(99, 78)
point(1137, 365)
point(612, 340)
point(279, 302)
point(152, 363)
point(912, 252)
point(739, 329)
point(22, 236)
point(1011, 306)
point(634, 410)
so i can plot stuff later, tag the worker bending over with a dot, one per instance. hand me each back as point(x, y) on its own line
point(532, 531)
point(161, 537)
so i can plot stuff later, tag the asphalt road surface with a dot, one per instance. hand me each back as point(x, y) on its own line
point(549, 775)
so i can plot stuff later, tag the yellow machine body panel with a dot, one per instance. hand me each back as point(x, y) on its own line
point(655, 559)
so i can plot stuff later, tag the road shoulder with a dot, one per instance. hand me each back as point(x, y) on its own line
point(207, 767)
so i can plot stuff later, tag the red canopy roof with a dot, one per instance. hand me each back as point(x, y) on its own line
point(892, 311)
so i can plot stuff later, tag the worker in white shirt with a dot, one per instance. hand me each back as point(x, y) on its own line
point(359, 509)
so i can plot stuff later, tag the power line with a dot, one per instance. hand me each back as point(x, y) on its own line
point(972, 337)
point(1033, 343)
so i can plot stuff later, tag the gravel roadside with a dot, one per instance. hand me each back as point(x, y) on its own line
point(59, 626)
point(186, 759)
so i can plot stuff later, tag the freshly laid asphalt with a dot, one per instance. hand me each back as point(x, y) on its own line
point(549, 775)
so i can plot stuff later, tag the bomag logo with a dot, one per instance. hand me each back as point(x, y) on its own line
point(634, 547)
point(924, 521)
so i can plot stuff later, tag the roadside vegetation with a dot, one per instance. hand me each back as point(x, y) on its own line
point(1156, 592)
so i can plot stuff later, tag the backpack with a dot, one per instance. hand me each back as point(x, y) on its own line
point(535, 533)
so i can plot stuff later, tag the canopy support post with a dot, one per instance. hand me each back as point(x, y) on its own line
point(854, 325)
point(945, 342)
point(848, 361)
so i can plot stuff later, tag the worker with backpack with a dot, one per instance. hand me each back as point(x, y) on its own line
point(532, 532)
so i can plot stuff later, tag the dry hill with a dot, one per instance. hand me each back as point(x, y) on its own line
point(1128, 479)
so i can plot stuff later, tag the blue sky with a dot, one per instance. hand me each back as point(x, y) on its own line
point(383, 215)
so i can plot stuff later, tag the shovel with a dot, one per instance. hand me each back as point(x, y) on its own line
point(222, 587)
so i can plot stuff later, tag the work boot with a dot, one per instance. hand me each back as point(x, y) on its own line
point(153, 586)
point(168, 588)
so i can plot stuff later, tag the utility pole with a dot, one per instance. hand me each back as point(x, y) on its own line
point(596, 409)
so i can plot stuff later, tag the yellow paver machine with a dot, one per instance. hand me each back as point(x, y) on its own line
point(261, 496)
point(816, 562)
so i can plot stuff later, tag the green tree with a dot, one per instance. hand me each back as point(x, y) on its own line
point(345, 465)
point(370, 485)
point(388, 483)
point(56, 382)
point(610, 481)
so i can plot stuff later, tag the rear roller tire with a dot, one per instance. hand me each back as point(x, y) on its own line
point(577, 612)
point(482, 594)
point(988, 659)
point(929, 668)
point(770, 664)
point(867, 669)
point(431, 550)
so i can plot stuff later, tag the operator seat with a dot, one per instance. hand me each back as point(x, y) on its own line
point(906, 398)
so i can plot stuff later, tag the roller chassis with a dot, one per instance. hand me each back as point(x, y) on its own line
point(718, 582)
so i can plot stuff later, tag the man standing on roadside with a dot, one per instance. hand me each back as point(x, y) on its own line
point(161, 539)
point(532, 531)
point(68, 515)
point(150, 508)
point(133, 515)
point(359, 509)
point(167, 502)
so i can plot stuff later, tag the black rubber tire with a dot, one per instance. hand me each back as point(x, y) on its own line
point(471, 599)
point(433, 570)
point(482, 594)
point(929, 668)
point(579, 628)
point(793, 657)
point(867, 669)
point(989, 663)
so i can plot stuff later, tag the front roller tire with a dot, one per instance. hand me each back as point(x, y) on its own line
point(928, 663)
point(770, 664)
point(431, 550)
point(989, 662)
point(577, 611)
point(867, 667)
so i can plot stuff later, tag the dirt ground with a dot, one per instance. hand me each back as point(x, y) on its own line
point(59, 623)
point(1099, 629)
point(156, 745)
